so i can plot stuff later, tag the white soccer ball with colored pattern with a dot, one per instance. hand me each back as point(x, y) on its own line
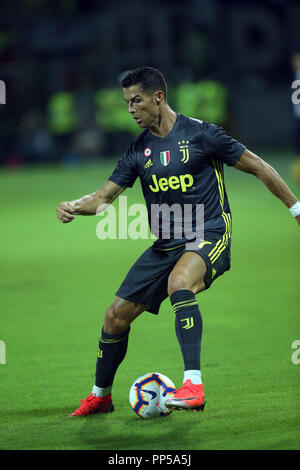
point(149, 393)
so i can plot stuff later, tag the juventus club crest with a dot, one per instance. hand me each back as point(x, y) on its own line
point(184, 149)
point(165, 157)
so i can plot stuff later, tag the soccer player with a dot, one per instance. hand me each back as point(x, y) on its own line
point(179, 160)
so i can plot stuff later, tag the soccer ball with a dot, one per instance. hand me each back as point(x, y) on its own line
point(149, 393)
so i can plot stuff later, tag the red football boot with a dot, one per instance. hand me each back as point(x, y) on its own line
point(93, 405)
point(189, 397)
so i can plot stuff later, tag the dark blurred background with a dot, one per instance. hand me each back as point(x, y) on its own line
point(230, 62)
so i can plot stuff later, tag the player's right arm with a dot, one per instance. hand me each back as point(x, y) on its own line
point(123, 176)
point(90, 204)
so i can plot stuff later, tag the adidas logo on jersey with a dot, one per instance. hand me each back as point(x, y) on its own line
point(148, 163)
point(204, 243)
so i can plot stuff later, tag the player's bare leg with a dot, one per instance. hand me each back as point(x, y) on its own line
point(112, 350)
point(186, 280)
point(120, 315)
point(188, 273)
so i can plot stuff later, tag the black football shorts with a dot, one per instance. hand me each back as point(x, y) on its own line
point(147, 280)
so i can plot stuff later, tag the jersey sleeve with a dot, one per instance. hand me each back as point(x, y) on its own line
point(126, 171)
point(217, 144)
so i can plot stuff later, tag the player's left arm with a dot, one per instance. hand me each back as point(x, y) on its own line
point(251, 163)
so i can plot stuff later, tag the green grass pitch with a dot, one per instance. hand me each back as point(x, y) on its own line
point(57, 280)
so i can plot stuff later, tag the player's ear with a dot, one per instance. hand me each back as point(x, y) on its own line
point(158, 97)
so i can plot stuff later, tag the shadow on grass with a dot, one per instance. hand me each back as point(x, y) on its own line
point(38, 413)
point(136, 434)
point(51, 428)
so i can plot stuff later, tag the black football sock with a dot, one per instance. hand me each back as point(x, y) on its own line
point(111, 352)
point(188, 327)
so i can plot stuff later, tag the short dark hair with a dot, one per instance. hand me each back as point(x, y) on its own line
point(149, 78)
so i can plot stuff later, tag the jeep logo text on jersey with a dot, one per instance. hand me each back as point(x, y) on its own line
point(174, 182)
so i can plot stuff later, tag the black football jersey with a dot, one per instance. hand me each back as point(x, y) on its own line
point(184, 168)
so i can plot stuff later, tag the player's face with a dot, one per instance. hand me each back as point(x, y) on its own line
point(142, 106)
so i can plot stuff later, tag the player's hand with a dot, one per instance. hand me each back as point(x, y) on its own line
point(65, 212)
point(298, 219)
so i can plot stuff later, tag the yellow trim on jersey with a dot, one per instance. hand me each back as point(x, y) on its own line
point(219, 174)
point(221, 244)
